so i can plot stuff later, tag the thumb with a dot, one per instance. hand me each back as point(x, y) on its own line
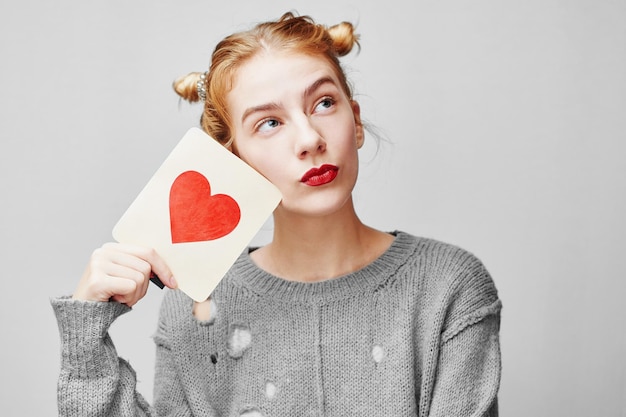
point(169, 283)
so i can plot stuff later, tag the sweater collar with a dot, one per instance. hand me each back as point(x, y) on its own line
point(246, 274)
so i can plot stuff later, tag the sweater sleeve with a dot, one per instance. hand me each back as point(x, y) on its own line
point(468, 366)
point(93, 381)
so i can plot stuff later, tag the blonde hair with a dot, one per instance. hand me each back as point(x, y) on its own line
point(291, 33)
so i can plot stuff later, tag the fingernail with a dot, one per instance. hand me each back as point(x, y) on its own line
point(173, 282)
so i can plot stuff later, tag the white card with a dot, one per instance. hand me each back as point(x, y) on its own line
point(199, 211)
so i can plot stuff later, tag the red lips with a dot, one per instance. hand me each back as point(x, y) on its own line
point(320, 176)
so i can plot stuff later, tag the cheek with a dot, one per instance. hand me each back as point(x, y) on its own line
point(269, 171)
point(351, 144)
point(348, 133)
point(266, 163)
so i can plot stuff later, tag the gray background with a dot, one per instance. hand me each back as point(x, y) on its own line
point(506, 126)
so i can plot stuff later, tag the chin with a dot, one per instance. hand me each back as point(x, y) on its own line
point(317, 206)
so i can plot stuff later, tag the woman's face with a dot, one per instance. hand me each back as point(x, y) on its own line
point(293, 123)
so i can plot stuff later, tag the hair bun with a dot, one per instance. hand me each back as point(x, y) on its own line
point(343, 37)
point(187, 86)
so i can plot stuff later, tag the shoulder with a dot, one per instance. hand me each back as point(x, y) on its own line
point(449, 273)
point(439, 257)
point(455, 289)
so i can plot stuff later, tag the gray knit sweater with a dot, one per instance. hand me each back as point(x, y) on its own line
point(415, 333)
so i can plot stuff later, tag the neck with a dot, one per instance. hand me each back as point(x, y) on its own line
point(312, 249)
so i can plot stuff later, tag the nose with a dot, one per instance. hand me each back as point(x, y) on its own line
point(308, 140)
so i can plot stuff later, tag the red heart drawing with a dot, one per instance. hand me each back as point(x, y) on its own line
point(195, 214)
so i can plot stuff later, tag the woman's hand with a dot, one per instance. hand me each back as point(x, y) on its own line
point(121, 272)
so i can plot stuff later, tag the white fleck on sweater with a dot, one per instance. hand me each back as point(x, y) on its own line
point(415, 333)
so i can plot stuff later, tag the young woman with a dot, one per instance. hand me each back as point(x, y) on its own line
point(330, 318)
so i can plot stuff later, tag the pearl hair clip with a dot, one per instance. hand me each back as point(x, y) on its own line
point(201, 86)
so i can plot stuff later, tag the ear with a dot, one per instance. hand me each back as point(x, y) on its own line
point(360, 134)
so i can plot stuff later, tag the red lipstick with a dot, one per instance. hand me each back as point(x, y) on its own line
point(320, 176)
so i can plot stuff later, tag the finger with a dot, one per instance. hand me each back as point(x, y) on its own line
point(141, 282)
point(160, 269)
point(129, 300)
point(128, 292)
point(119, 255)
point(139, 271)
point(142, 289)
point(157, 264)
point(119, 289)
point(116, 270)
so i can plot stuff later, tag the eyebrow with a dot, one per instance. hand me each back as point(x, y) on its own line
point(275, 106)
point(261, 108)
point(317, 84)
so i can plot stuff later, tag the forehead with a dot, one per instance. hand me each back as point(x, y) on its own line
point(271, 76)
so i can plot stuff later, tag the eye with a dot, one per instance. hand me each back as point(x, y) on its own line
point(324, 104)
point(266, 125)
